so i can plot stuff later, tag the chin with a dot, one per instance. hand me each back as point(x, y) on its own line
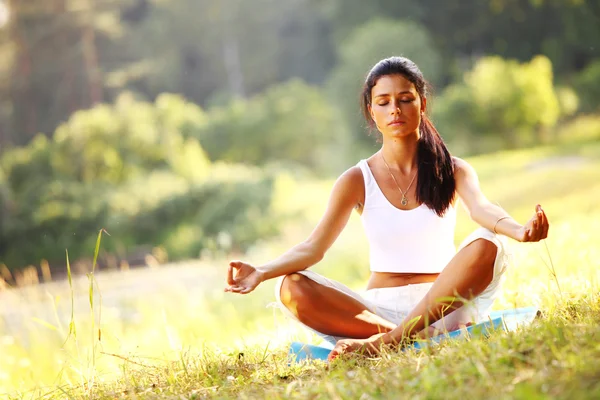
point(401, 133)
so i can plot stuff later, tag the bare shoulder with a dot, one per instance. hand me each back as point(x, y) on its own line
point(462, 168)
point(350, 186)
point(352, 176)
point(351, 180)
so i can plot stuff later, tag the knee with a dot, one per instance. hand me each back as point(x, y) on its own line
point(294, 290)
point(485, 251)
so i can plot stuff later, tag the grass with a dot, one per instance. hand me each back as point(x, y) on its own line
point(171, 332)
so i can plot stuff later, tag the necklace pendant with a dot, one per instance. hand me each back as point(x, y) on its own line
point(404, 200)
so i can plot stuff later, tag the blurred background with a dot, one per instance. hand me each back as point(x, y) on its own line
point(167, 122)
point(195, 131)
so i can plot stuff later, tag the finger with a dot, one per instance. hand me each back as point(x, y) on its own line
point(534, 227)
point(527, 236)
point(230, 275)
point(534, 233)
point(335, 353)
point(545, 224)
point(246, 290)
point(540, 222)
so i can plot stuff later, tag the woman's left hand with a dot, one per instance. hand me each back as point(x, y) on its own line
point(370, 346)
point(536, 228)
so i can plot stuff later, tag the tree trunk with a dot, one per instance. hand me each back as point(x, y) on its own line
point(231, 53)
point(24, 125)
point(90, 55)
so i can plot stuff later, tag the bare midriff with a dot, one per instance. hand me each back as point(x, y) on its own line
point(393, 279)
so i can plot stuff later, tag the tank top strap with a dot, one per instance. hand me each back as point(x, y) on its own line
point(366, 171)
point(372, 192)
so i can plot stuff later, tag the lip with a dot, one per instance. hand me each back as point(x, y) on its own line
point(396, 123)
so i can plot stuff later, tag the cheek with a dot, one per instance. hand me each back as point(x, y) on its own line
point(378, 114)
point(413, 109)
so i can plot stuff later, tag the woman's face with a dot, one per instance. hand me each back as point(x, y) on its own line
point(396, 106)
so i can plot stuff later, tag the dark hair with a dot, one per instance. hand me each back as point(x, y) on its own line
point(436, 186)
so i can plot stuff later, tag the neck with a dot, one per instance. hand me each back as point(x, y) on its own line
point(401, 153)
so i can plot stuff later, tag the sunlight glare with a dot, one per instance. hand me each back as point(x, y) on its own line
point(4, 14)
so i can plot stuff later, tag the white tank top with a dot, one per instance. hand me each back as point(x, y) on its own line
point(407, 241)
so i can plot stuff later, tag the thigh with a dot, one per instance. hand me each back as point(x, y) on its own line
point(330, 283)
point(326, 283)
point(477, 310)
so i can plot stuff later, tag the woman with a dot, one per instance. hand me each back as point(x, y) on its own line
point(406, 194)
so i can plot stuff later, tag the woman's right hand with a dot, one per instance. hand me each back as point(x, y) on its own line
point(242, 278)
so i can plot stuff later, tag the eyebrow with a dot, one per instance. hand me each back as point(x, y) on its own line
point(387, 94)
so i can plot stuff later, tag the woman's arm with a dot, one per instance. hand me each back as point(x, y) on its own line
point(346, 195)
point(491, 216)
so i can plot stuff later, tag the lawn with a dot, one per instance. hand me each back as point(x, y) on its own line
point(171, 332)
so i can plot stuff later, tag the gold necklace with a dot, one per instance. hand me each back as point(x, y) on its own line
point(404, 200)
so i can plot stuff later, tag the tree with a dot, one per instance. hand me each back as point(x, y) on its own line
point(587, 83)
point(289, 123)
point(55, 61)
point(135, 169)
point(504, 99)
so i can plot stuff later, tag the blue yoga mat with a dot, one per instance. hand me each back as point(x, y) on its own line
point(515, 318)
point(508, 320)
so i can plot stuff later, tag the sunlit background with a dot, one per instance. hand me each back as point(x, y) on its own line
point(194, 132)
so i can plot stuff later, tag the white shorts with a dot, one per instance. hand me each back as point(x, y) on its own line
point(394, 303)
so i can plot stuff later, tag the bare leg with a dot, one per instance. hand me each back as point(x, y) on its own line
point(328, 310)
point(467, 275)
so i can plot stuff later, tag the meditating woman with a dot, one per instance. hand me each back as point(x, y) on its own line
point(406, 194)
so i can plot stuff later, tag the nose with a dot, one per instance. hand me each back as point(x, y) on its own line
point(397, 110)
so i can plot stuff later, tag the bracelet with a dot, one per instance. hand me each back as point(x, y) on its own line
point(498, 220)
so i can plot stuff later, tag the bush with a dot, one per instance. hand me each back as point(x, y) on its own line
point(587, 83)
point(115, 143)
point(501, 99)
point(136, 170)
point(291, 123)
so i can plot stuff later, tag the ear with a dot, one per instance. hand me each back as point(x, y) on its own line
point(371, 112)
point(423, 105)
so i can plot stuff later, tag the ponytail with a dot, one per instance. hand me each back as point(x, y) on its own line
point(436, 186)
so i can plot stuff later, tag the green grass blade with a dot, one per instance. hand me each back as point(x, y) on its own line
point(97, 249)
point(72, 330)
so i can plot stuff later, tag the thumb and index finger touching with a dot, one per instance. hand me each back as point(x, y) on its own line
point(233, 265)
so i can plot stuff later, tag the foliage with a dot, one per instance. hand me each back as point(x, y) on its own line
point(568, 101)
point(136, 170)
point(288, 123)
point(502, 98)
point(66, 55)
point(588, 88)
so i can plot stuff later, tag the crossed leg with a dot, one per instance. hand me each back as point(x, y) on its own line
point(332, 312)
point(466, 276)
point(328, 310)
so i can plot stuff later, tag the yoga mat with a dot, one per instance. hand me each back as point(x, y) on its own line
point(515, 318)
point(504, 319)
